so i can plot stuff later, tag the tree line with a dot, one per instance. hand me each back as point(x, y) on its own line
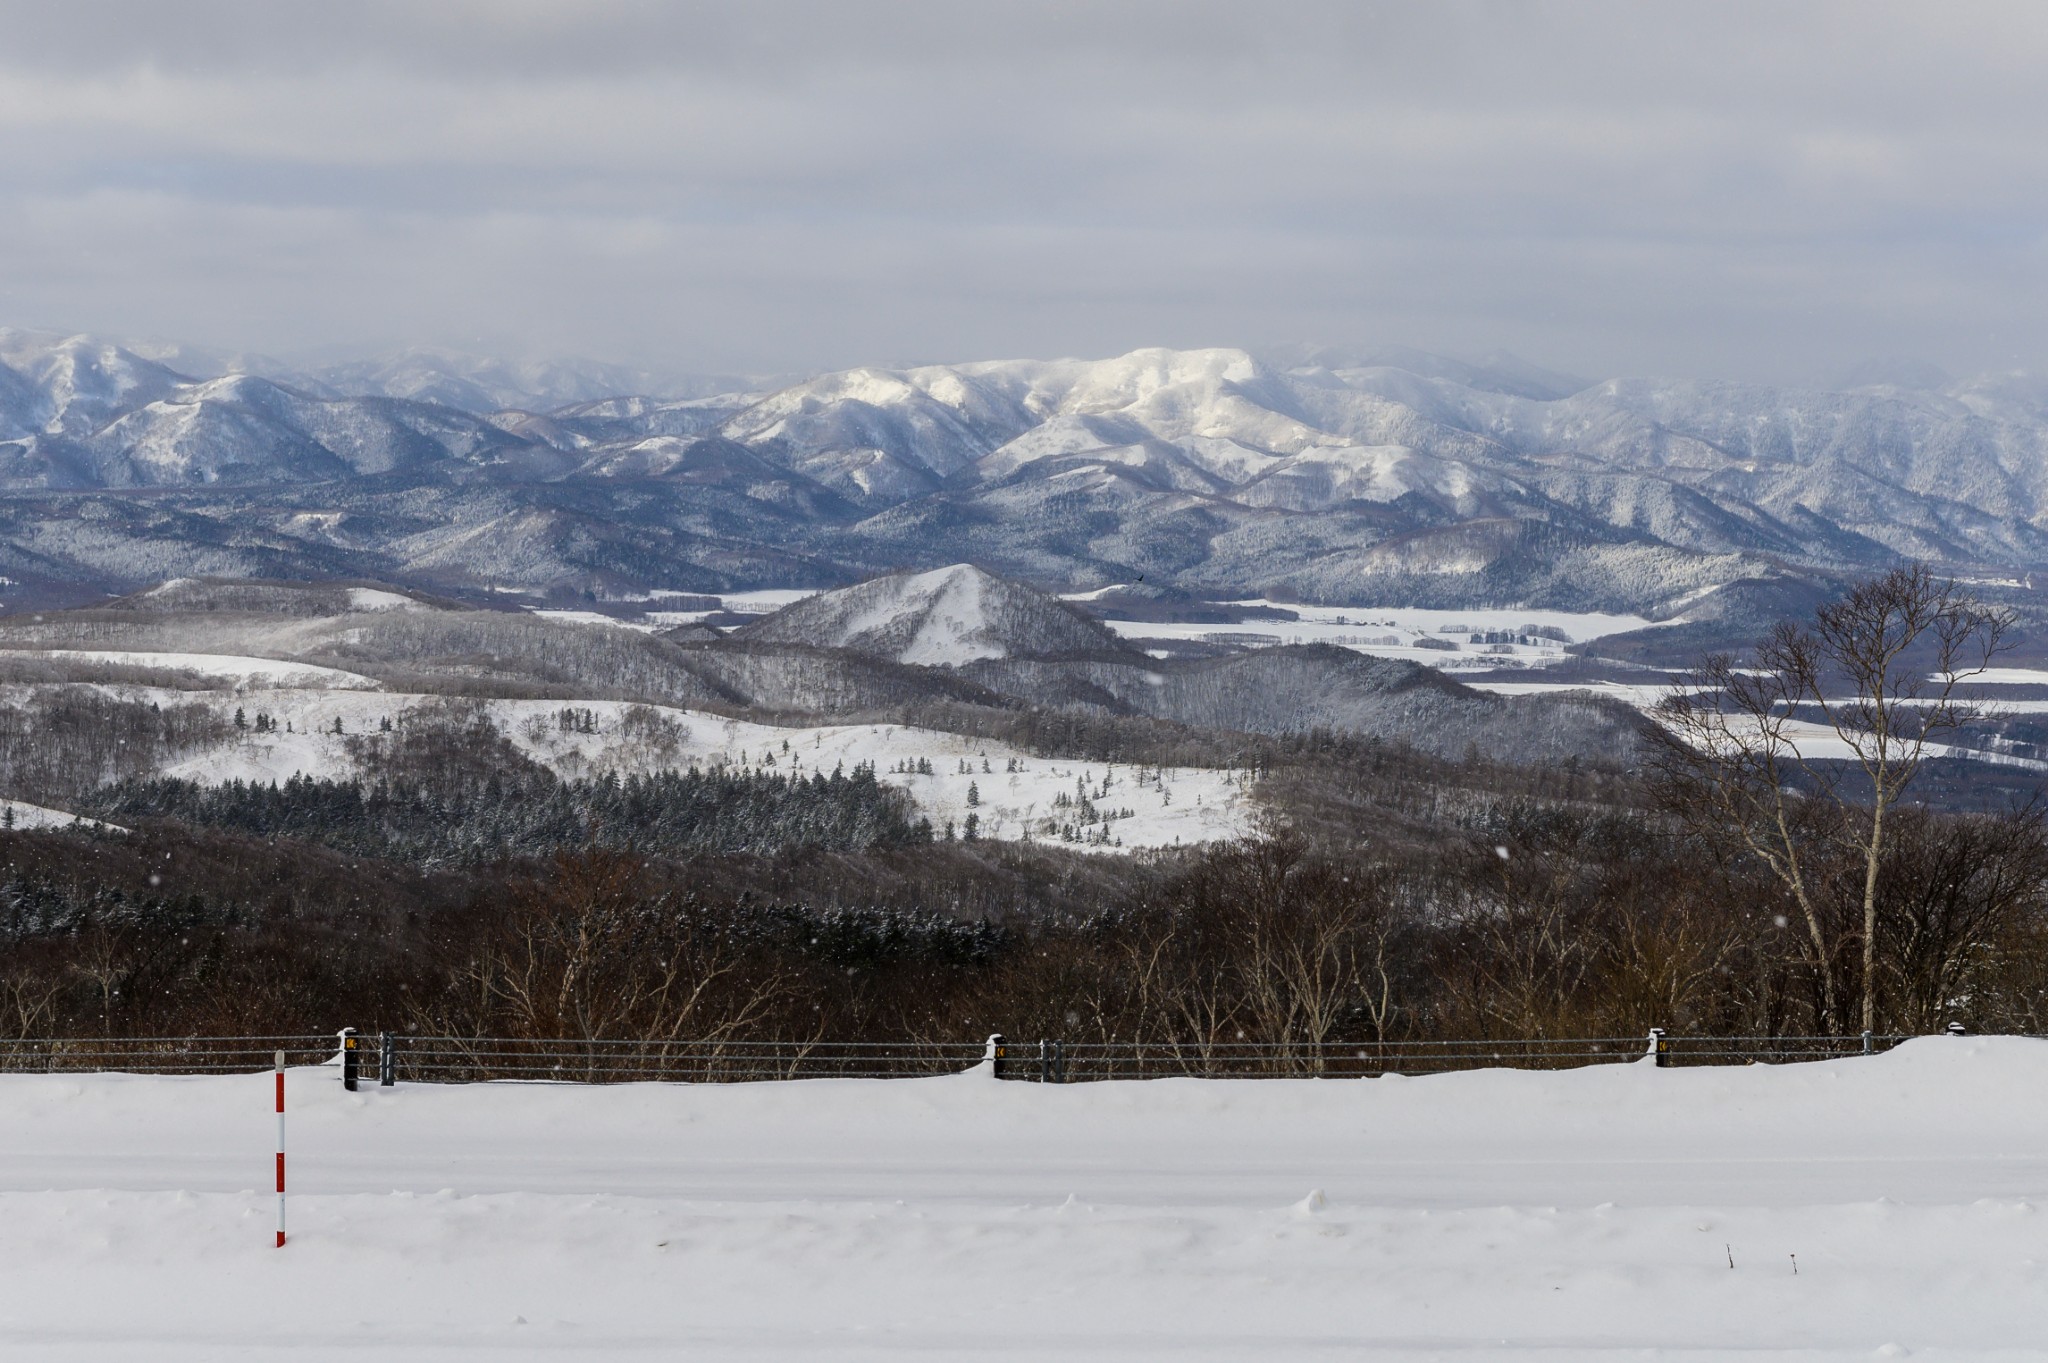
point(1534, 920)
point(530, 811)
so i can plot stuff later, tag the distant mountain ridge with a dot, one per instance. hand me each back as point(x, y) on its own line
point(1365, 477)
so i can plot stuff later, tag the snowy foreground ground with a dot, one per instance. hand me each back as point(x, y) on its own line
point(1588, 1214)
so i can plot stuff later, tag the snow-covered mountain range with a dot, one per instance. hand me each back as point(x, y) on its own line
point(1391, 478)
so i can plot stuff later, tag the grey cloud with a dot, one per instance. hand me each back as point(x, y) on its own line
point(1726, 188)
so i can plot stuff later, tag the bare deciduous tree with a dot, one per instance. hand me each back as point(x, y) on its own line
point(1876, 680)
point(1954, 891)
point(27, 1001)
point(591, 955)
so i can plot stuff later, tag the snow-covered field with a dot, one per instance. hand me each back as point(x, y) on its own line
point(599, 619)
point(1167, 805)
point(1393, 632)
point(1814, 740)
point(765, 602)
point(1382, 631)
point(2007, 676)
point(233, 669)
point(1641, 695)
point(762, 602)
point(1591, 1214)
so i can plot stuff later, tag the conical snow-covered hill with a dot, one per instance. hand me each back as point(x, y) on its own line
point(948, 617)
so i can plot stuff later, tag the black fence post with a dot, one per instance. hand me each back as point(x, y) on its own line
point(387, 1060)
point(1044, 1061)
point(1059, 1062)
point(1867, 1047)
point(351, 1059)
point(998, 1055)
point(1660, 1048)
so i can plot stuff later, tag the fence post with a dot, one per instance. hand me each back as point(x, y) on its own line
point(1866, 1041)
point(351, 1059)
point(387, 1060)
point(1044, 1061)
point(1059, 1062)
point(280, 1149)
point(1660, 1048)
point(998, 1055)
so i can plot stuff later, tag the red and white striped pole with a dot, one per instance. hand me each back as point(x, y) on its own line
point(280, 1149)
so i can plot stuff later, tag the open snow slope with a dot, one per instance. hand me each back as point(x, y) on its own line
point(1577, 1215)
point(232, 668)
point(1166, 805)
point(22, 814)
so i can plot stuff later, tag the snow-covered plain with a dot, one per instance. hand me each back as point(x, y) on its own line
point(602, 621)
point(371, 599)
point(1813, 740)
point(1643, 696)
point(1381, 631)
point(232, 668)
point(764, 602)
point(1392, 632)
point(1870, 1208)
point(1168, 805)
point(2006, 676)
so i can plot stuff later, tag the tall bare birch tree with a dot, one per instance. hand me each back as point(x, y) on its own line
point(1821, 738)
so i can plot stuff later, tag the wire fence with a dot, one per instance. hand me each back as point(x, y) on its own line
point(437, 1059)
point(1081, 1061)
point(394, 1057)
point(160, 1055)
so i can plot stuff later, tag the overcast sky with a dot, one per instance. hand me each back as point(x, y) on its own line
point(1719, 189)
